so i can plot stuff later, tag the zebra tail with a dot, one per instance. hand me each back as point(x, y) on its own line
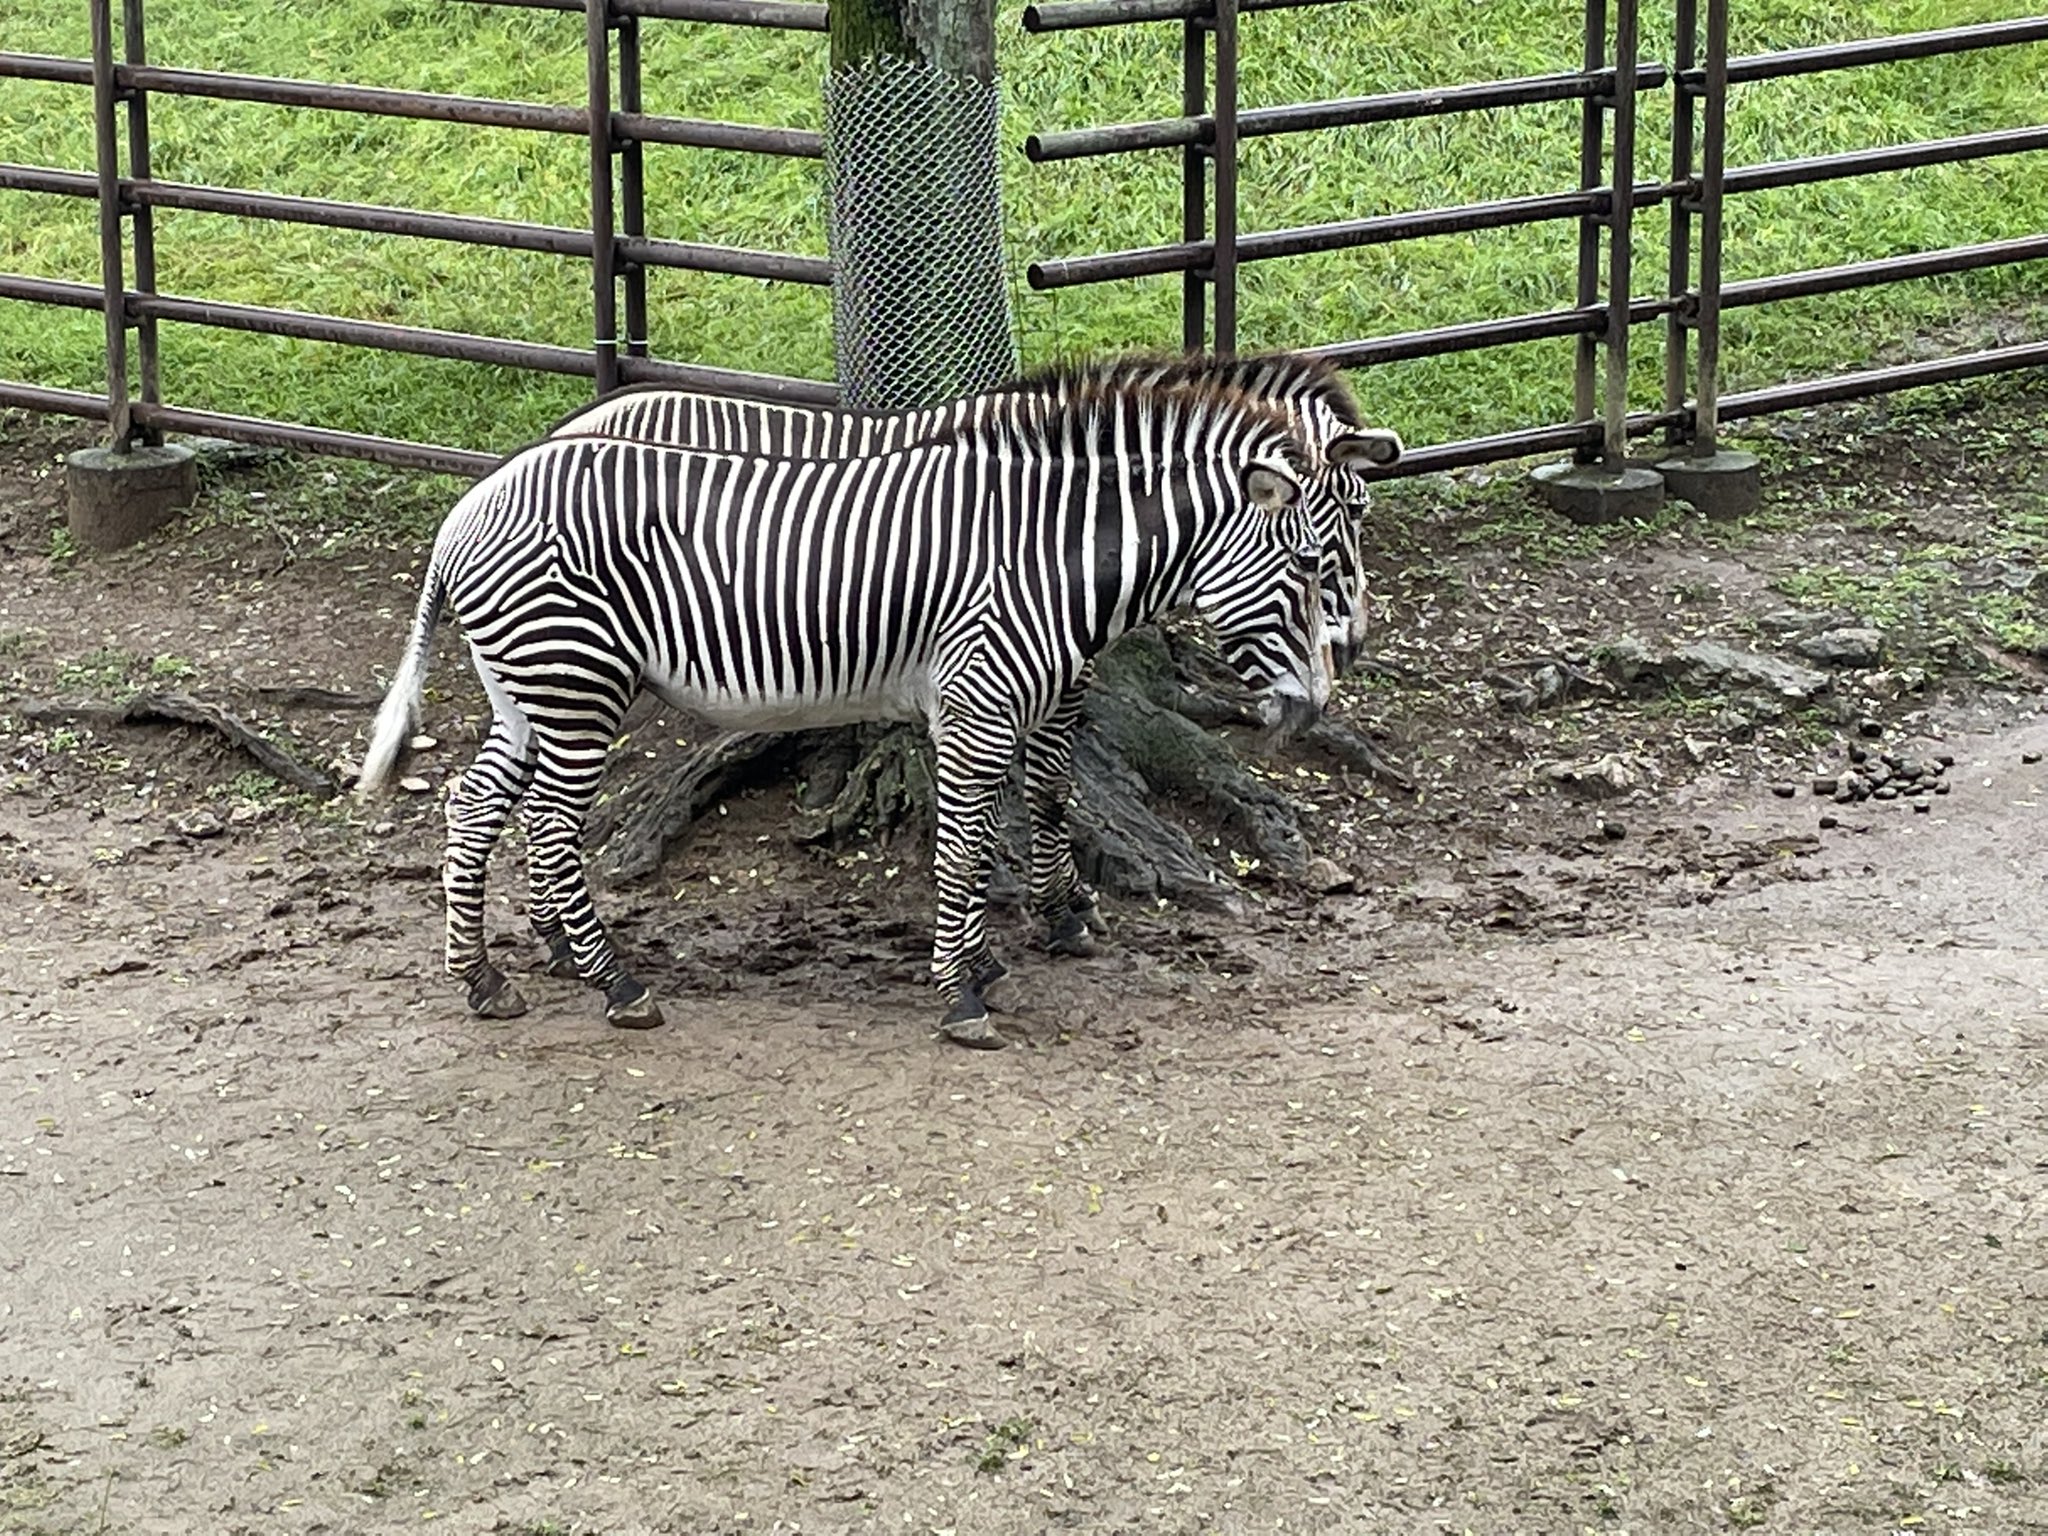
point(401, 705)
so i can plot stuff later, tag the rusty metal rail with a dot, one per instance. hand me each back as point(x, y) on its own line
point(1610, 85)
point(617, 244)
point(777, 15)
point(1304, 117)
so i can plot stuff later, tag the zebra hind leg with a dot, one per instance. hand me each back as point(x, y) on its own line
point(564, 787)
point(1062, 900)
point(547, 921)
point(478, 807)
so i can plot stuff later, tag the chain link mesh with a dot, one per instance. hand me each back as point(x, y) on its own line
point(920, 297)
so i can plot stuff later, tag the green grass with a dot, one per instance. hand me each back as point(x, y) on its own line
point(1060, 80)
point(1008, 1441)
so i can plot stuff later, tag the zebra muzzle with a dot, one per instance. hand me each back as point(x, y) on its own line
point(1287, 715)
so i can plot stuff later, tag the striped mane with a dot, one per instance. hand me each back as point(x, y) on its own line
point(1085, 403)
point(1267, 378)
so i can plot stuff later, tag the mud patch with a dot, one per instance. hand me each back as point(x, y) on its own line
point(1686, 1179)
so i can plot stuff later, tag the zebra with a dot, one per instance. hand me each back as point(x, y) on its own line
point(963, 579)
point(1311, 392)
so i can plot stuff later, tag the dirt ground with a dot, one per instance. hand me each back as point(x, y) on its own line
point(1687, 1179)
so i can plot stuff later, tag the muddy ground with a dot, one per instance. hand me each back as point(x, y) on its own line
point(1686, 1179)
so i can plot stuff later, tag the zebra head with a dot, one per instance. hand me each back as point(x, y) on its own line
point(1322, 414)
point(1345, 455)
point(1259, 585)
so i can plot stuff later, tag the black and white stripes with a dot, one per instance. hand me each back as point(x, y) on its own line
point(965, 577)
point(1311, 395)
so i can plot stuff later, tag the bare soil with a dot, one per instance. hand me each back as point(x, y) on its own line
point(1692, 1178)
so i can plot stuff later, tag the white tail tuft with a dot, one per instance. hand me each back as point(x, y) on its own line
point(394, 724)
point(401, 705)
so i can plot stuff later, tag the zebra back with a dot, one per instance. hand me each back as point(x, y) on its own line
point(1104, 498)
point(1310, 391)
point(1308, 386)
point(686, 419)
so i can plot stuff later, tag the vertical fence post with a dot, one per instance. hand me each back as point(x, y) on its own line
point(144, 222)
point(1719, 482)
point(1685, 49)
point(1620, 224)
point(1194, 179)
point(1591, 132)
point(603, 245)
point(1713, 161)
point(1598, 484)
point(632, 187)
point(1224, 268)
point(113, 283)
point(128, 489)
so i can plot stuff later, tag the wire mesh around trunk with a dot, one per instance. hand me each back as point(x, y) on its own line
point(920, 297)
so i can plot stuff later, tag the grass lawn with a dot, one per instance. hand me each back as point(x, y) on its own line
point(1062, 80)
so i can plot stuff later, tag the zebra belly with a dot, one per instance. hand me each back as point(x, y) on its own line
point(909, 697)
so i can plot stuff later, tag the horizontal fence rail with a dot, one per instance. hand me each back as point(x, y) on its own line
point(1610, 84)
point(1884, 381)
point(1877, 50)
point(776, 15)
point(1313, 116)
point(462, 229)
point(617, 243)
point(379, 101)
point(1071, 14)
point(1887, 269)
point(1350, 234)
point(1612, 88)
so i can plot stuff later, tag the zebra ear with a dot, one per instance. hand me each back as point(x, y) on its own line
point(1271, 488)
point(1368, 445)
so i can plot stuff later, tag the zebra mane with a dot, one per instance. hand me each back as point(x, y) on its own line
point(1085, 402)
point(1264, 378)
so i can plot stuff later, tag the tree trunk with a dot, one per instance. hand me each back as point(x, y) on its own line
point(1149, 761)
point(920, 298)
point(921, 316)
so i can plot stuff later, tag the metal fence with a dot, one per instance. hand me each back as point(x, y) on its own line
point(1612, 86)
point(616, 244)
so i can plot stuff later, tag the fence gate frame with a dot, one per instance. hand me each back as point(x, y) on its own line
point(1598, 480)
point(615, 242)
point(1602, 480)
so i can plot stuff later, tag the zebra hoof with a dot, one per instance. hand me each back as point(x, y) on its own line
point(1073, 935)
point(988, 975)
point(1091, 914)
point(491, 996)
point(967, 1023)
point(561, 962)
point(629, 1005)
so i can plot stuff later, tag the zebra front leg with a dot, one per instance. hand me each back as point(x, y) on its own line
point(479, 804)
point(1059, 896)
point(963, 848)
point(564, 786)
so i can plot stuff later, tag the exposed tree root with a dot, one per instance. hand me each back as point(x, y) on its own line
point(637, 828)
point(1150, 737)
point(183, 709)
point(1356, 753)
point(1132, 719)
point(869, 776)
